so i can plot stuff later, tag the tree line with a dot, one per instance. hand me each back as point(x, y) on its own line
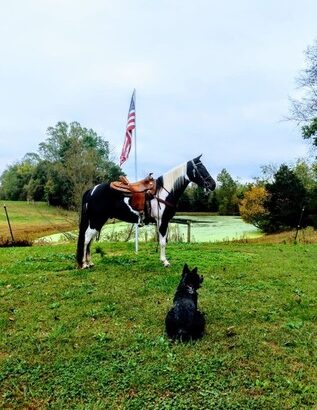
point(286, 199)
point(74, 158)
point(71, 159)
point(281, 198)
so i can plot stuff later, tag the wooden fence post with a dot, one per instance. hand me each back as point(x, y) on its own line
point(188, 231)
point(5, 210)
point(300, 221)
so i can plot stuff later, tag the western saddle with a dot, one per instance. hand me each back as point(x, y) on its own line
point(138, 192)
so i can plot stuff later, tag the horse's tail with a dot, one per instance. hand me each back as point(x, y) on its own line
point(83, 225)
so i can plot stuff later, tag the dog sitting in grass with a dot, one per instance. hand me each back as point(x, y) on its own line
point(184, 321)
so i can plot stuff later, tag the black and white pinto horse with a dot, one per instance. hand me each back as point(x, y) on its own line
point(102, 202)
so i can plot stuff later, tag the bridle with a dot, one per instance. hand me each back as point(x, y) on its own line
point(207, 181)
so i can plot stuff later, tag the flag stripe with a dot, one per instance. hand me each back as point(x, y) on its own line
point(128, 133)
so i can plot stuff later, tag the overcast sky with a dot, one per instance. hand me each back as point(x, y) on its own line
point(211, 77)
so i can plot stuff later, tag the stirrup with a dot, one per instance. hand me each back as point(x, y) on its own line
point(141, 222)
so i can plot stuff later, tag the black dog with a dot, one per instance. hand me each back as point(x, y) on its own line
point(184, 321)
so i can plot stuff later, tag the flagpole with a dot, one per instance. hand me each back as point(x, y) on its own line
point(135, 150)
point(130, 134)
point(136, 239)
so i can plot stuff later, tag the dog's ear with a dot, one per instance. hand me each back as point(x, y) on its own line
point(194, 271)
point(185, 269)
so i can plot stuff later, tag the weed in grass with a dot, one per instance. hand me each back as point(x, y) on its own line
point(7, 243)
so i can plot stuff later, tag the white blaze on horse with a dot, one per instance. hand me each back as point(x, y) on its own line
point(104, 201)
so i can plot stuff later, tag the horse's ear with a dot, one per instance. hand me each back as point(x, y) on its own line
point(197, 158)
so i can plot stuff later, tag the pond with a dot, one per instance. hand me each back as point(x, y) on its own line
point(214, 228)
point(203, 228)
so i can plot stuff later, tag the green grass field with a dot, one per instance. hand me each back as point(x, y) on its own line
point(32, 220)
point(94, 339)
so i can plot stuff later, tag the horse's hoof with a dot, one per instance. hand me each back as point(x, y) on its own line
point(166, 264)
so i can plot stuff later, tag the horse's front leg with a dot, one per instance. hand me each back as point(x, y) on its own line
point(162, 239)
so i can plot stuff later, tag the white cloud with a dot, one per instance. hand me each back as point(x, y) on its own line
point(211, 77)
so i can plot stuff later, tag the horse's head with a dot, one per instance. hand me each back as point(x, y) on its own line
point(197, 172)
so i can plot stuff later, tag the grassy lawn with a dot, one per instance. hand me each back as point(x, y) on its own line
point(94, 339)
point(31, 220)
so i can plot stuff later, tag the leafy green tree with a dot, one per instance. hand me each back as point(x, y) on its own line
point(227, 194)
point(286, 196)
point(14, 181)
point(311, 207)
point(70, 160)
point(38, 181)
point(310, 131)
point(213, 205)
point(184, 204)
point(195, 199)
point(77, 159)
point(199, 199)
point(307, 174)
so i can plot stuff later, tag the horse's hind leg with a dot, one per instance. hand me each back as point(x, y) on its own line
point(90, 234)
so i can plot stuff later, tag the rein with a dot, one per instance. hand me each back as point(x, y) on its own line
point(166, 203)
point(162, 201)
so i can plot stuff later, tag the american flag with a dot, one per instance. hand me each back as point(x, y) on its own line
point(128, 133)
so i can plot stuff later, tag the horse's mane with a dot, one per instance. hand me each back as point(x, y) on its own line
point(174, 178)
